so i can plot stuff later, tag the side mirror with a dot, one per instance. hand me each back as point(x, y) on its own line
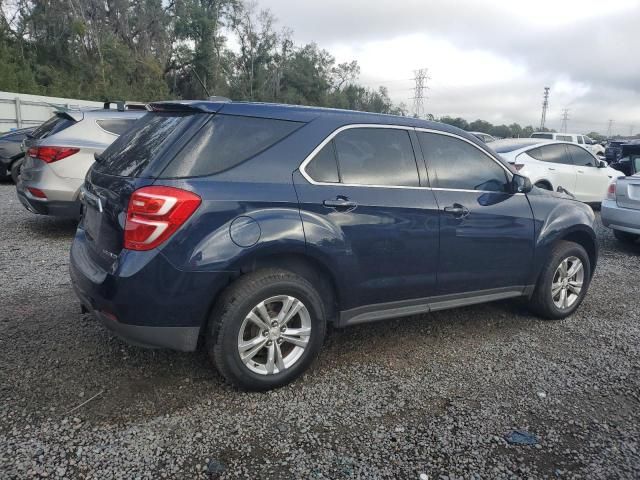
point(520, 184)
point(602, 164)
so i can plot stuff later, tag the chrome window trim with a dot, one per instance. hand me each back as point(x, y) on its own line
point(333, 134)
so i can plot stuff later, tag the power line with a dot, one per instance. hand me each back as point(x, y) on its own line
point(565, 118)
point(545, 105)
point(421, 77)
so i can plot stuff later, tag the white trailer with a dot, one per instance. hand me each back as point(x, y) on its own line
point(20, 110)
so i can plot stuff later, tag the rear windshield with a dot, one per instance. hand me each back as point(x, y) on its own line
point(133, 151)
point(548, 136)
point(55, 124)
point(226, 141)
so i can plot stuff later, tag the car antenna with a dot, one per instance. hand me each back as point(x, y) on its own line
point(193, 70)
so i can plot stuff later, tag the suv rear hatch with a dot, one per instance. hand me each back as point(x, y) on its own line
point(133, 161)
point(628, 192)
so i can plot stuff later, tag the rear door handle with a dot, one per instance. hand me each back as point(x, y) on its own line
point(457, 210)
point(552, 169)
point(340, 203)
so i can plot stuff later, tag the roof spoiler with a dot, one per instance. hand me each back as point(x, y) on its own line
point(211, 105)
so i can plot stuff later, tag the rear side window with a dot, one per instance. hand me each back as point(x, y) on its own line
point(226, 141)
point(132, 152)
point(536, 153)
point(55, 124)
point(581, 157)
point(115, 126)
point(556, 154)
point(324, 167)
point(376, 156)
point(564, 138)
point(580, 141)
point(548, 136)
point(459, 165)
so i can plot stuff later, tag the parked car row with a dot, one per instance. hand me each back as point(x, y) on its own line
point(248, 228)
point(11, 152)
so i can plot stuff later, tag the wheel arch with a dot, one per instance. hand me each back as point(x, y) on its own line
point(586, 241)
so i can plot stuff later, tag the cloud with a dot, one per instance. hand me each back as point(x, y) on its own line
point(488, 59)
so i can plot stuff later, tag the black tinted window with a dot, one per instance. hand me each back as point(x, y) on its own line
point(226, 141)
point(581, 157)
point(116, 126)
point(130, 154)
point(548, 136)
point(580, 141)
point(376, 156)
point(323, 167)
point(459, 165)
point(55, 124)
point(556, 154)
point(536, 153)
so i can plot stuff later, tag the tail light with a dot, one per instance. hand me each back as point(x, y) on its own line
point(36, 192)
point(518, 166)
point(611, 191)
point(155, 213)
point(51, 154)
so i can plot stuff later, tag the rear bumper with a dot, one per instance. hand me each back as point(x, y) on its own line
point(56, 208)
point(619, 218)
point(142, 298)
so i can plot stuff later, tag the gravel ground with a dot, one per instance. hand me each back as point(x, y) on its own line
point(433, 400)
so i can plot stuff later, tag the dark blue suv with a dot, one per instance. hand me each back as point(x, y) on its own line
point(249, 227)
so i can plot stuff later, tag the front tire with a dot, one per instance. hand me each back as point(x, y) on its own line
point(625, 237)
point(563, 282)
point(266, 329)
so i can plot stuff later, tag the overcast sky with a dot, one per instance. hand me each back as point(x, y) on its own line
point(489, 59)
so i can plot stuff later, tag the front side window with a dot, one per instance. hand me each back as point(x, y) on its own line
point(556, 154)
point(461, 166)
point(376, 156)
point(581, 158)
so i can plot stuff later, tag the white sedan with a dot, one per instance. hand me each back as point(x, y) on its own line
point(551, 164)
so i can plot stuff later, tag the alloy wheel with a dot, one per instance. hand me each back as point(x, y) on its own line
point(567, 282)
point(274, 335)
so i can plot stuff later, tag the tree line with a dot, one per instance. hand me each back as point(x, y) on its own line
point(157, 49)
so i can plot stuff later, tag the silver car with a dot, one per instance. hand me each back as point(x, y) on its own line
point(60, 152)
point(621, 209)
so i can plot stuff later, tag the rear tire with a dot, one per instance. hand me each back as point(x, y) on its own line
point(556, 296)
point(625, 237)
point(249, 318)
point(15, 169)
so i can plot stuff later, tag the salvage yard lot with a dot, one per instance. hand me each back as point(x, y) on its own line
point(432, 394)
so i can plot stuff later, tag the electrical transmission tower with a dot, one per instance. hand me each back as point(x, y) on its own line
point(565, 118)
point(545, 105)
point(610, 129)
point(421, 77)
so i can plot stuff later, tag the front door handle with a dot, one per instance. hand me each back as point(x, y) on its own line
point(552, 169)
point(457, 210)
point(341, 204)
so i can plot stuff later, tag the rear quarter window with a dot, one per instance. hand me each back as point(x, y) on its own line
point(548, 136)
point(226, 141)
point(116, 126)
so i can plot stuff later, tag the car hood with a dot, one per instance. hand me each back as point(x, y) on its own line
point(549, 193)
